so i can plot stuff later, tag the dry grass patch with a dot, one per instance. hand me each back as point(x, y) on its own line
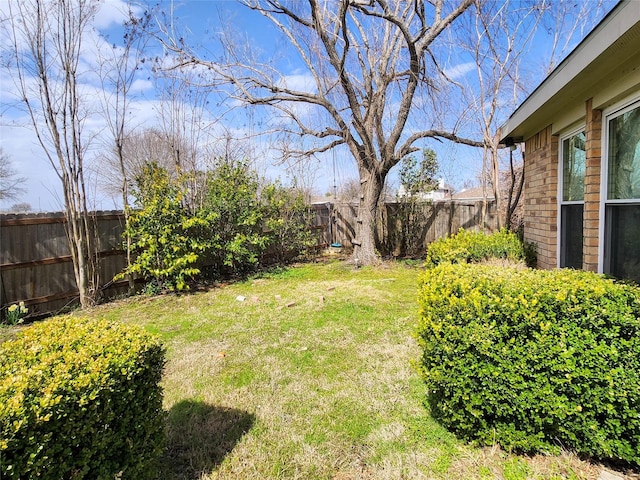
point(494, 463)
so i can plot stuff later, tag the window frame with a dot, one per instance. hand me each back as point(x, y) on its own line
point(604, 234)
point(560, 195)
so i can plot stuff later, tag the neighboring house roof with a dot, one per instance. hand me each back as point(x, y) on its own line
point(605, 57)
point(475, 193)
point(441, 191)
point(322, 199)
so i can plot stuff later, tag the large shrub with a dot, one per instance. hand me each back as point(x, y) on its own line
point(165, 236)
point(287, 221)
point(235, 217)
point(471, 247)
point(227, 232)
point(533, 360)
point(80, 399)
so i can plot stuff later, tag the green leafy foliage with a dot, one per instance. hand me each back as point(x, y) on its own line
point(418, 176)
point(236, 216)
point(287, 221)
point(80, 399)
point(227, 234)
point(533, 360)
point(165, 237)
point(470, 247)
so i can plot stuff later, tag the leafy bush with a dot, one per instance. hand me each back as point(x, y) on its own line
point(236, 218)
point(533, 360)
point(227, 233)
point(165, 237)
point(80, 399)
point(287, 221)
point(471, 247)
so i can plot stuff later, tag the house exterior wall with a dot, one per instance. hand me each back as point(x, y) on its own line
point(541, 196)
point(541, 192)
point(592, 89)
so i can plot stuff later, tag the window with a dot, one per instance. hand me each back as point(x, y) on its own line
point(573, 158)
point(622, 204)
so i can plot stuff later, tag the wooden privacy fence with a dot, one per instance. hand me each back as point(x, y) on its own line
point(432, 221)
point(36, 265)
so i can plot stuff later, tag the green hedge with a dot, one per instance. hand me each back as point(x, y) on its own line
point(533, 360)
point(471, 247)
point(80, 399)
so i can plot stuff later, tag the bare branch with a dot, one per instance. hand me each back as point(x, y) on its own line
point(365, 61)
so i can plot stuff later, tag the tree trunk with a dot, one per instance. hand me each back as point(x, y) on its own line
point(495, 175)
point(365, 250)
point(125, 208)
point(514, 192)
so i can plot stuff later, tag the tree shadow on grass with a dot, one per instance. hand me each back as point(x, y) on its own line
point(199, 437)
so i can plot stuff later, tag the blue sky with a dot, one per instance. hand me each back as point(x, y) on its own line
point(199, 21)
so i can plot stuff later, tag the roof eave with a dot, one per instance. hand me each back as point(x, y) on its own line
point(571, 74)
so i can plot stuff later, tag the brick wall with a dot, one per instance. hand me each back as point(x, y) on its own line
point(540, 196)
point(593, 132)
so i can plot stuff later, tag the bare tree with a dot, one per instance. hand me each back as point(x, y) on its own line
point(138, 149)
point(514, 180)
point(303, 173)
point(498, 38)
point(348, 191)
point(367, 65)
point(184, 125)
point(567, 22)
point(11, 184)
point(47, 41)
point(22, 207)
point(118, 69)
point(226, 148)
point(500, 34)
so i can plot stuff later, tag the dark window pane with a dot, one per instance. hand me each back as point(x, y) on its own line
point(622, 246)
point(571, 236)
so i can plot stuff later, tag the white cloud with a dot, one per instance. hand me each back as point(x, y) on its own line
point(20, 143)
point(113, 12)
point(42, 186)
point(459, 71)
point(298, 82)
point(141, 85)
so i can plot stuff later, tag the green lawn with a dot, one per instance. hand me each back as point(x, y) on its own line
point(310, 377)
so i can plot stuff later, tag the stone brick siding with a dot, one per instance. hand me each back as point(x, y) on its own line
point(593, 132)
point(540, 196)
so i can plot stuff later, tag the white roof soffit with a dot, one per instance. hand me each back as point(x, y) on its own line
point(607, 48)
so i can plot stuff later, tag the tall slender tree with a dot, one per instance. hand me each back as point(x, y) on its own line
point(498, 39)
point(47, 40)
point(118, 70)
